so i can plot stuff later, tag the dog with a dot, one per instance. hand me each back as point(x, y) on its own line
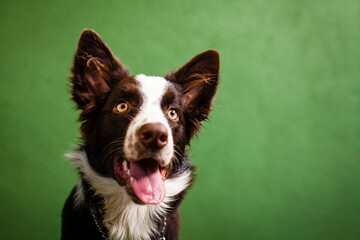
point(132, 161)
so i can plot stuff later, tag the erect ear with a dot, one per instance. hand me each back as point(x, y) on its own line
point(95, 70)
point(199, 80)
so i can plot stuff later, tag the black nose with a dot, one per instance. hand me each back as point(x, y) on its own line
point(153, 135)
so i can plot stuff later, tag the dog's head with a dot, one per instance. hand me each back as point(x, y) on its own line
point(135, 128)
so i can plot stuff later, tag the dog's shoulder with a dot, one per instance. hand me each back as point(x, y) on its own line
point(77, 222)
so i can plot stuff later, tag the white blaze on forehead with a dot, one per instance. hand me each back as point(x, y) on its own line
point(152, 90)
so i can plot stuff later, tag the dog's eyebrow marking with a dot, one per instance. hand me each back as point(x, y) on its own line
point(168, 98)
point(127, 91)
point(127, 87)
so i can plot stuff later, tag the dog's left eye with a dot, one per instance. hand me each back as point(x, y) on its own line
point(121, 107)
point(173, 114)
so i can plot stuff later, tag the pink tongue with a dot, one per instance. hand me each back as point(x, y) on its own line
point(147, 182)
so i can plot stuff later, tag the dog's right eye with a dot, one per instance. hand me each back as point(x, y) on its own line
point(121, 107)
point(173, 114)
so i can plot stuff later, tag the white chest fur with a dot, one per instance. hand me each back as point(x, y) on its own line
point(123, 218)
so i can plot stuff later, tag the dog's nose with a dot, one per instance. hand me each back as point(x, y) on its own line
point(153, 135)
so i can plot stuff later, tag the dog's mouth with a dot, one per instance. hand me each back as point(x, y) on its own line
point(144, 179)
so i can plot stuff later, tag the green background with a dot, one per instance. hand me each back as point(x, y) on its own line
point(280, 156)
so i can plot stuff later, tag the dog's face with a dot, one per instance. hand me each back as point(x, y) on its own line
point(135, 128)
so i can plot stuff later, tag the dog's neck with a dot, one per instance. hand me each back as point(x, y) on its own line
point(123, 218)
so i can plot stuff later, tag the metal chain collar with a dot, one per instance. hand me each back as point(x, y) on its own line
point(163, 230)
point(98, 224)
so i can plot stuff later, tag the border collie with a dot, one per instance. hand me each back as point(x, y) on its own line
point(135, 128)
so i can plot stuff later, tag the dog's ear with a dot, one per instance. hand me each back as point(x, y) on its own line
point(199, 81)
point(95, 70)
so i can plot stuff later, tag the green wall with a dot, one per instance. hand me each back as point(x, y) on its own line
point(280, 157)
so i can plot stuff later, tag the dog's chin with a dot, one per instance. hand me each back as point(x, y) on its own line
point(143, 179)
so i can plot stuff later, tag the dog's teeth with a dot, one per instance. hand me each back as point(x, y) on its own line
point(131, 179)
point(128, 172)
point(125, 166)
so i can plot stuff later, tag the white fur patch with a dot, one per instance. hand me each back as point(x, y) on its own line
point(123, 218)
point(152, 90)
point(79, 194)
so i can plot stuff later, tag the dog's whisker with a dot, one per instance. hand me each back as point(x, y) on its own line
point(175, 159)
point(129, 117)
point(113, 149)
point(179, 150)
